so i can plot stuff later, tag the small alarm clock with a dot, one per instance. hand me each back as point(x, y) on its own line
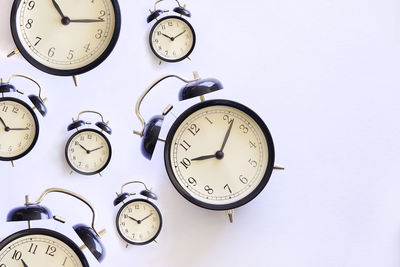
point(19, 125)
point(138, 221)
point(88, 151)
point(172, 38)
point(45, 247)
point(65, 38)
point(219, 154)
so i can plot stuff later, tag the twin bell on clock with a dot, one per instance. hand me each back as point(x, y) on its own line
point(45, 247)
point(218, 154)
point(19, 125)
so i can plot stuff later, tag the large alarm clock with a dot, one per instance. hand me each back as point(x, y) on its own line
point(45, 247)
point(19, 125)
point(219, 154)
point(65, 37)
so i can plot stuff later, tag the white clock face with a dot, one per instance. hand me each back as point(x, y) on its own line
point(172, 39)
point(139, 222)
point(88, 152)
point(218, 156)
point(18, 129)
point(69, 40)
point(38, 250)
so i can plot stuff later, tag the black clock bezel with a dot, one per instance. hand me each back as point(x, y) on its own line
point(269, 166)
point(123, 207)
point(70, 163)
point(59, 72)
point(35, 138)
point(155, 51)
point(46, 232)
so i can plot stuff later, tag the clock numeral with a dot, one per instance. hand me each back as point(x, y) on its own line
point(252, 145)
point(51, 250)
point(166, 52)
point(87, 47)
point(5, 108)
point(32, 248)
point(82, 138)
point(38, 41)
point(243, 179)
point(70, 55)
point(29, 23)
point(186, 162)
point(228, 119)
point(209, 120)
point(10, 149)
point(226, 187)
point(89, 136)
point(26, 137)
point(163, 27)
point(170, 24)
point(15, 110)
point(65, 261)
point(158, 33)
point(102, 14)
point(185, 145)
point(76, 143)
point(137, 207)
point(99, 34)
point(17, 255)
point(159, 47)
point(51, 52)
point(192, 181)
point(194, 129)
point(209, 190)
point(244, 128)
point(31, 5)
point(253, 163)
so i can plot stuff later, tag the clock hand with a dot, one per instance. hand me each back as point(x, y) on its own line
point(204, 157)
point(58, 9)
point(18, 129)
point(171, 38)
point(96, 149)
point(146, 217)
point(138, 221)
point(23, 262)
point(87, 151)
point(2, 122)
point(85, 20)
point(227, 136)
point(180, 34)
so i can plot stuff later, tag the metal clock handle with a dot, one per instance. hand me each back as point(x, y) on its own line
point(132, 182)
point(91, 111)
point(139, 102)
point(70, 193)
point(28, 78)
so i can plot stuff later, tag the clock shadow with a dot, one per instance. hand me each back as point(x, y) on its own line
point(6, 40)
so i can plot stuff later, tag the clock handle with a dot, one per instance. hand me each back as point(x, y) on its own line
point(148, 89)
point(132, 182)
point(91, 111)
point(70, 193)
point(28, 78)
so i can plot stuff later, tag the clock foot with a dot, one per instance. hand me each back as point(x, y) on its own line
point(13, 53)
point(76, 82)
point(160, 62)
point(189, 58)
point(155, 241)
point(100, 174)
point(12, 163)
point(127, 245)
point(71, 172)
point(230, 215)
point(278, 167)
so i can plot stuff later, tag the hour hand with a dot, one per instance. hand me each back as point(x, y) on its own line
point(204, 157)
point(2, 122)
point(87, 151)
point(23, 262)
point(133, 219)
point(58, 8)
point(171, 38)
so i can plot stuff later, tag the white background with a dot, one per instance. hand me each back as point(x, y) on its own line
point(324, 76)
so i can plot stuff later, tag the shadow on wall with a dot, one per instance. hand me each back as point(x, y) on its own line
point(6, 41)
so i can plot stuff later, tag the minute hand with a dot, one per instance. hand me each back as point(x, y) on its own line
point(86, 20)
point(227, 136)
point(180, 34)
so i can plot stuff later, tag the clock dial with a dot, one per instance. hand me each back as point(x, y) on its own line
point(65, 37)
point(172, 39)
point(40, 247)
point(19, 129)
point(88, 152)
point(139, 222)
point(219, 154)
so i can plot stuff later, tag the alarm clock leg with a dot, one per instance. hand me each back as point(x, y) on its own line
point(155, 241)
point(13, 53)
point(12, 163)
point(230, 215)
point(278, 167)
point(76, 82)
point(127, 245)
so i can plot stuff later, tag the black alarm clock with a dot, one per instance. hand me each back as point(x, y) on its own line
point(219, 154)
point(172, 38)
point(45, 247)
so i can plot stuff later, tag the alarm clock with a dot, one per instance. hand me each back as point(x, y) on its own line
point(88, 151)
point(138, 221)
point(19, 125)
point(218, 154)
point(172, 38)
point(45, 247)
point(65, 38)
